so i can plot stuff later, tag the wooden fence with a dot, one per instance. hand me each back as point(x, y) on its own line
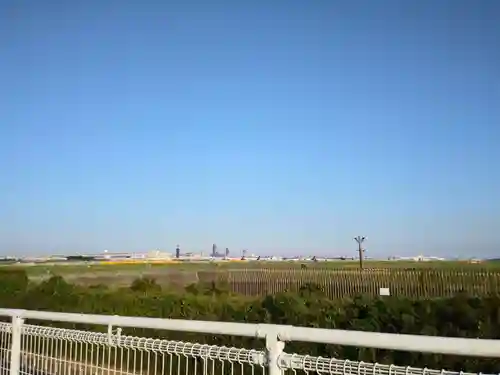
point(413, 283)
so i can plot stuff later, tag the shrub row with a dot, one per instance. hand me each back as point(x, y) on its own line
point(459, 316)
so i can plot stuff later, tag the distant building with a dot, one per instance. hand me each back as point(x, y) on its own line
point(157, 254)
point(113, 256)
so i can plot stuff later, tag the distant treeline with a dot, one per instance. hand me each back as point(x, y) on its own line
point(80, 258)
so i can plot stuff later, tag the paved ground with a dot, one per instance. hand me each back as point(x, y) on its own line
point(45, 365)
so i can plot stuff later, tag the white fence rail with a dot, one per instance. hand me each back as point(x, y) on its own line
point(41, 350)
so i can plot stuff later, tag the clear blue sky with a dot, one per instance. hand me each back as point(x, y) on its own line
point(279, 126)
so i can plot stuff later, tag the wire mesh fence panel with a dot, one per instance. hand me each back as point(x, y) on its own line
point(57, 351)
point(5, 345)
point(294, 364)
point(60, 351)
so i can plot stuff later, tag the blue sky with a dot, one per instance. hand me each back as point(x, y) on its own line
point(280, 126)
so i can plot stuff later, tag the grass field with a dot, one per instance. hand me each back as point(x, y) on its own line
point(114, 268)
point(339, 278)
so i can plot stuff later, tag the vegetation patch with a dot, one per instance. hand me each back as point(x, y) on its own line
point(461, 315)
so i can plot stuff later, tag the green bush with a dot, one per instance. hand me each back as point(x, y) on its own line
point(145, 285)
point(460, 316)
point(13, 282)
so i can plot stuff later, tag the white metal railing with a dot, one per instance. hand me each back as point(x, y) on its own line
point(41, 350)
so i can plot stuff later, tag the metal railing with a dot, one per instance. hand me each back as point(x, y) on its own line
point(43, 350)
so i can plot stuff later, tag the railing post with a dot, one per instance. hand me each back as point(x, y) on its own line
point(274, 349)
point(15, 350)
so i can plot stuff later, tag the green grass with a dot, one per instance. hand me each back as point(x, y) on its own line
point(72, 269)
point(257, 277)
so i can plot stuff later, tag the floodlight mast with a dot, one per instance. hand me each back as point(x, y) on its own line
point(360, 240)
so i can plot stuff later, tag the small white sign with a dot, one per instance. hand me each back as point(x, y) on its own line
point(385, 292)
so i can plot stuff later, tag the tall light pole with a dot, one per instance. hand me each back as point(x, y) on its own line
point(360, 240)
